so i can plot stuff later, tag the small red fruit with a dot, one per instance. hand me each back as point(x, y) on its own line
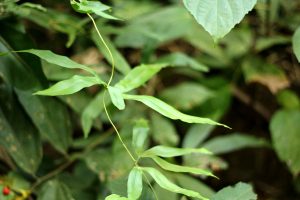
point(6, 191)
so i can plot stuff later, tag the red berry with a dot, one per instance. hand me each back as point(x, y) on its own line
point(6, 191)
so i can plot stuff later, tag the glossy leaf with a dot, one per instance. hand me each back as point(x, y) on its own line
point(233, 142)
point(163, 182)
point(178, 168)
point(296, 44)
point(59, 60)
point(139, 135)
point(90, 7)
point(116, 97)
point(55, 190)
point(138, 76)
point(285, 132)
point(135, 184)
point(164, 151)
point(69, 86)
point(168, 111)
point(240, 191)
point(218, 17)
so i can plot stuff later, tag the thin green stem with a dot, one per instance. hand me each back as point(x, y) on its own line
point(148, 182)
point(108, 50)
point(113, 125)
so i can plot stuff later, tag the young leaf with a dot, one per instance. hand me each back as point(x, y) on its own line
point(178, 168)
point(89, 7)
point(135, 184)
point(166, 152)
point(163, 182)
point(218, 17)
point(115, 197)
point(240, 191)
point(69, 86)
point(168, 111)
point(138, 76)
point(59, 60)
point(116, 97)
point(296, 44)
point(139, 135)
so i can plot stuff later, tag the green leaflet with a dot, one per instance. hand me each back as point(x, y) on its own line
point(69, 86)
point(138, 76)
point(59, 60)
point(135, 184)
point(89, 7)
point(163, 182)
point(164, 151)
point(116, 97)
point(139, 135)
point(218, 17)
point(178, 168)
point(168, 111)
point(240, 191)
point(115, 197)
point(296, 44)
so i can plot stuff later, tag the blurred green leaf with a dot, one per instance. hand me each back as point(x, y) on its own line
point(196, 135)
point(115, 197)
point(163, 131)
point(138, 76)
point(164, 151)
point(288, 99)
point(116, 97)
point(285, 132)
point(178, 168)
point(135, 184)
point(233, 142)
point(218, 17)
point(54, 190)
point(168, 111)
point(182, 60)
point(139, 135)
point(268, 42)
point(191, 95)
point(163, 182)
point(70, 86)
point(17, 134)
point(240, 191)
point(296, 44)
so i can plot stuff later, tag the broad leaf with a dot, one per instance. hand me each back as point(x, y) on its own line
point(233, 142)
point(285, 131)
point(168, 111)
point(69, 86)
point(296, 44)
point(59, 60)
point(178, 168)
point(116, 97)
point(55, 190)
point(135, 184)
point(138, 76)
point(17, 134)
point(218, 17)
point(240, 191)
point(139, 135)
point(163, 182)
point(90, 7)
point(164, 151)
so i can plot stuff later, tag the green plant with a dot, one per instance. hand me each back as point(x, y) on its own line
point(132, 154)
